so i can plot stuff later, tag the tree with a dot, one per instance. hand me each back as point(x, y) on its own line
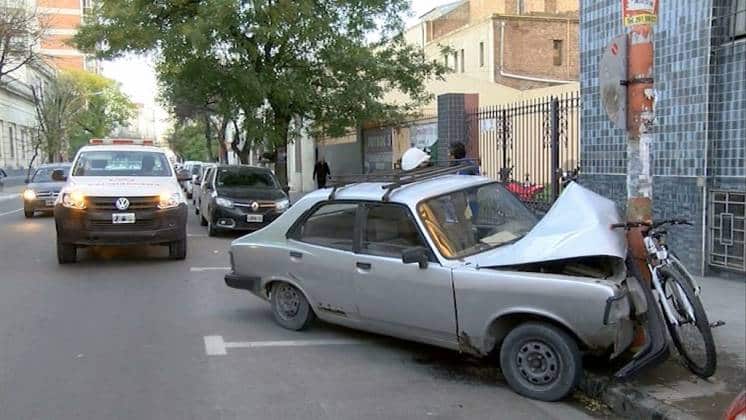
point(21, 29)
point(325, 61)
point(56, 107)
point(105, 107)
point(187, 140)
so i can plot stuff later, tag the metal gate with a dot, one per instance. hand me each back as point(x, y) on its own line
point(529, 145)
point(726, 230)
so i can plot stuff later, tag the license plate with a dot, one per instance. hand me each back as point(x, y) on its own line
point(49, 203)
point(254, 218)
point(119, 218)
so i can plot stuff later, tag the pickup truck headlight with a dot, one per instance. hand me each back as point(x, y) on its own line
point(29, 195)
point(74, 200)
point(282, 205)
point(224, 202)
point(168, 201)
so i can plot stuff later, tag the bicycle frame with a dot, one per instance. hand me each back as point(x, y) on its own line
point(659, 254)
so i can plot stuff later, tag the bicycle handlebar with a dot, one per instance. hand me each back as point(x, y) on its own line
point(630, 225)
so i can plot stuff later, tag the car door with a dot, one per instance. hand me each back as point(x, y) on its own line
point(321, 258)
point(401, 299)
point(207, 188)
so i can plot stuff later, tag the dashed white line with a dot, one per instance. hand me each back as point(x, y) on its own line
point(198, 269)
point(10, 212)
point(216, 346)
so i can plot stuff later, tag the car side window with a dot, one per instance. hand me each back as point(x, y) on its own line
point(389, 230)
point(331, 225)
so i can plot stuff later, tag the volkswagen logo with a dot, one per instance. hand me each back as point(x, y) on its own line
point(122, 204)
point(254, 206)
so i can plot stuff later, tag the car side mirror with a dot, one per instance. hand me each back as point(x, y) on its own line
point(417, 255)
point(183, 175)
point(59, 175)
point(286, 188)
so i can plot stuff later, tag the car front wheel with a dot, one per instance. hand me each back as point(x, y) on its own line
point(290, 308)
point(177, 250)
point(541, 361)
point(66, 253)
point(29, 213)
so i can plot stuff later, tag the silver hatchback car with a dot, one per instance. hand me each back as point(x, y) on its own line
point(454, 261)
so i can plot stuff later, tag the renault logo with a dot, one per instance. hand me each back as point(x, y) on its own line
point(122, 204)
point(254, 206)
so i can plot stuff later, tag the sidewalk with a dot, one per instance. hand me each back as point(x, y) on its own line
point(670, 390)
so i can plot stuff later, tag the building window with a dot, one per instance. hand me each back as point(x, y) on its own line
point(12, 142)
point(462, 60)
point(557, 47)
point(455, 61)
point(481, 54)
point(738, 22)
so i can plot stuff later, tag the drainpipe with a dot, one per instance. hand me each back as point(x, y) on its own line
point(705, 189)
point(518, 76)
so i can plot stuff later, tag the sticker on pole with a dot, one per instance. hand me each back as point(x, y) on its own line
point(639, 12)
point(612, 72)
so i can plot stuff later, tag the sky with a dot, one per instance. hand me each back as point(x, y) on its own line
point(137, 75)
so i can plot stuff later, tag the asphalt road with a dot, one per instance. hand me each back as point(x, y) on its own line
point(121, 335)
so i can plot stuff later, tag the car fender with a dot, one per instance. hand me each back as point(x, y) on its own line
point(267, 284)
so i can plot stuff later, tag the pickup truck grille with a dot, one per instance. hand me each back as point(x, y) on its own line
point(136, 203)
point(108, 226)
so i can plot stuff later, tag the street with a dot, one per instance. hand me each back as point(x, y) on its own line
point(128, 334)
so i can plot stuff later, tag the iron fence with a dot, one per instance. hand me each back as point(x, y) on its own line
point(530, 145)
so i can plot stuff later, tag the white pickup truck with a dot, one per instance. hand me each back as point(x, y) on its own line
point(120, 194)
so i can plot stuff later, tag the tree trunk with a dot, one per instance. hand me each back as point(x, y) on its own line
point(208, 139)
point(282, 125)
point(222, 149)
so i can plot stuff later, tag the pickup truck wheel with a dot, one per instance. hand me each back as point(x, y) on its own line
point(290, 308)
point(177, 250)
point(541, 361)
point(66, 253)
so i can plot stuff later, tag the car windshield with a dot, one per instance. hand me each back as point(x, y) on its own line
point(196, 169)
point(245, 177)
point(476, 219)
point(45, 174)
point(121, 163)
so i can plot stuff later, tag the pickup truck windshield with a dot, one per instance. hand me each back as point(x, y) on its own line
point(121, 163)
point(245, 178)
point(473, 220)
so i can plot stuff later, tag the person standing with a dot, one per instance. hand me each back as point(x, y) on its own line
point(321, 173)
point(458, 156)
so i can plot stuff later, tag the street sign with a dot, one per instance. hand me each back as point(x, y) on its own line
point(639, 12)
point(612, 74)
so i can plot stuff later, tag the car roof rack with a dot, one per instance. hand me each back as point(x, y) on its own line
point(399, 178)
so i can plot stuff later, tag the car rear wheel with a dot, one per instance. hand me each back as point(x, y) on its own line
point(177, 250)
point(66, 253)
point(290, 308)
point(541, 361)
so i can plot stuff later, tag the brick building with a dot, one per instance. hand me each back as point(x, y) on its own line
point(63, 18)
point(699, 151)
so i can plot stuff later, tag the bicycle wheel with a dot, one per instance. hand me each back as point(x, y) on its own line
point(692, 336)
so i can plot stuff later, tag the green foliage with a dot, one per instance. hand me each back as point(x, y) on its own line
point(266, 62)
point(187, 140)
point(104, 106)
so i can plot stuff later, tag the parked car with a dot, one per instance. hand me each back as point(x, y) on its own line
point(193, 168)
point(200, 185)
point(454, 261)
point(3, 175)
point(41, 190)
point(237, 197)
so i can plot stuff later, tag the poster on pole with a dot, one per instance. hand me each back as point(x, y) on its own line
point(639, 12)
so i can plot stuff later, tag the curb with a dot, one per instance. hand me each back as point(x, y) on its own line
point(626, 401)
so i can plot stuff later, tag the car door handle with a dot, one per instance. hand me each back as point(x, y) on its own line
point(296, 254)
point(363, 266)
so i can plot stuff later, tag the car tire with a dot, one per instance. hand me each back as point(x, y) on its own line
point(66, 253)
point(29, 213)
point(177, 250)
point(541, 361)
point(211, 229)
point(290, 307)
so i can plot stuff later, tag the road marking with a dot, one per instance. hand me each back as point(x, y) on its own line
point(198, 269)
point(10, 212)
point(216, 346)
point(196, 235)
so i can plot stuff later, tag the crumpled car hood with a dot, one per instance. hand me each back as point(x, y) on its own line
point(577, 225)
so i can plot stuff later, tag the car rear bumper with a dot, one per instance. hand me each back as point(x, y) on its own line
point(82, 227)
point(237, 281)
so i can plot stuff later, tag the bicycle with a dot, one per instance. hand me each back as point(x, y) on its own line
point(677, 294)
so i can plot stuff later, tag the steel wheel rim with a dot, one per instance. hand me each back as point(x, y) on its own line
point(538, 363)
point(288, 302)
